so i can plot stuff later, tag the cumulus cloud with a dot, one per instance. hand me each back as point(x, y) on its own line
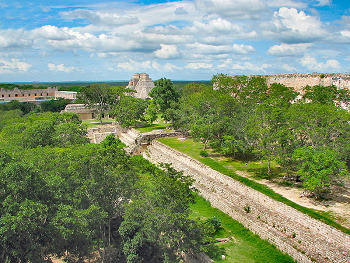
point(101, 18)
point(292, 26)
point(167, 52)
point(286, 3)
point(288, 50)
point(244, 67)
point(199, 65)
point(205, 49)
point(61, 67)
point(240, 9)
point(13, 65)
point(14, 39)
point(311, 63)
point(135, 66)
point(323, 2)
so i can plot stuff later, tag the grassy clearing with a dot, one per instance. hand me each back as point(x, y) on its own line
point(246, 246)
point(96, 123)
point(154, 126)
point(228, 168)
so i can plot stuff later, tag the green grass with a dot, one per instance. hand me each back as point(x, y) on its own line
point(193, 148)
point(154, 126)
point(96, 123)
point(246, 247)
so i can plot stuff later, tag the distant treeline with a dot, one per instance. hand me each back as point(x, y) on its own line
point(76, 86)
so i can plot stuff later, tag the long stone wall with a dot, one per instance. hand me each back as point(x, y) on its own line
point(303, 238)
point(300, 81)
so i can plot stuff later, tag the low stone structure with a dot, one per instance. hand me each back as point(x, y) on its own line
point(71, 95)
point(83, 112)
point(142, 84)
point(27, 95)
point(302, 237)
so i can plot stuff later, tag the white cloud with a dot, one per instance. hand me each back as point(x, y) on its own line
point(286, 3)
point(14, 39)
point(292, 26)
point(199, 65)
point(167, 52)
point(289, 68)
point(324, 2)
point(311, 63)
point(288, 50)
point(240, 9)
point(101, 18)
point(205, 49)
point(13, 65)
point(61, 67)
point(245, 67)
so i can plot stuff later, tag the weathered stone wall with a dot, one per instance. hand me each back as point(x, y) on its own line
point(300, 81)
point(97, 135)
point(26, 95)
point(303, 238)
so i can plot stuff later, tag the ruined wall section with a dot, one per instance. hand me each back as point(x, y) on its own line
point(300, 81)
point(303, 238)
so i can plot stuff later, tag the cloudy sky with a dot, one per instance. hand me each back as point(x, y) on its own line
point(97, 40)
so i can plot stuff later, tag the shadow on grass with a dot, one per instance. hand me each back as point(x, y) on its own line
point(262, 173)
point(152, 127)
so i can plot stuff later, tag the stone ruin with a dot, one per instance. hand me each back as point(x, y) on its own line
point(142, 84)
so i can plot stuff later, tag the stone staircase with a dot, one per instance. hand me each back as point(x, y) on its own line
point(129, 138)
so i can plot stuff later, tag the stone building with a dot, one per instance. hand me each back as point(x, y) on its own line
point(35, 95)
point(31, 95)
point(142, 84)
point(81, 110)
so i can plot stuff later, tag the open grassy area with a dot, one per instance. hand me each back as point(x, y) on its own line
point(245, 246)
point(228, 167)
point(96, 123)
point(154, 126)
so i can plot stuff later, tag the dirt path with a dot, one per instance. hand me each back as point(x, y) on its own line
point(339, 206)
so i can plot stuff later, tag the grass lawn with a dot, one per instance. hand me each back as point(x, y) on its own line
point(96, 123)
point(154, 126)
point(228, 166)
point(246, 247)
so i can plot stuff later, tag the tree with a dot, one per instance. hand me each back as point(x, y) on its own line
point(327, 95)
point(155, 226)
point(129, 110)
point(54, 105)
point(151, 112)
point(97, 97)
point(164, 93)
point(319, 168)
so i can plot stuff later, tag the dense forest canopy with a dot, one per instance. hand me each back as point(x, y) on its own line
point(63, 196)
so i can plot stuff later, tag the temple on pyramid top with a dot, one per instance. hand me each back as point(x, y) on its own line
point(142, 84)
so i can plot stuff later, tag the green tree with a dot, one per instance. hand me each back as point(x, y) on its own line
point(319, 168)
point(97, 97)
point(164, 93)
point(54, 105)
point(156, 227)
point(328, 95)
point(129, 110)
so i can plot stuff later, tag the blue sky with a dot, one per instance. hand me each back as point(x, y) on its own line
point(96, 40)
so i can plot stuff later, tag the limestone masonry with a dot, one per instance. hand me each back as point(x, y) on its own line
point(300, 81)
point(142, 84)
point(32, 95)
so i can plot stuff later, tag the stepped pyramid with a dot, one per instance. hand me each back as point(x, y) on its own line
point(142, 84)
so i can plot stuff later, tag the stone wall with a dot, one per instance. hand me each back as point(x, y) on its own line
point(303, 238)
point(300, 81)
point(26, 95)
